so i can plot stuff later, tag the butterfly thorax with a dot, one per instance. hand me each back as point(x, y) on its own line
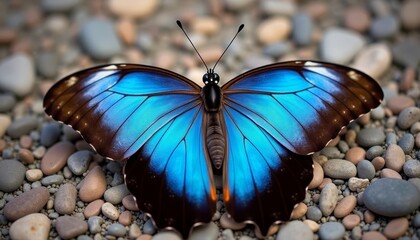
point(211, 92)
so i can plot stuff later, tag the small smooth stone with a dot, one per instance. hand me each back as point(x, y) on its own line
point(208, 231)
point(17, 74)
point(394, 157)
point(374, 60)
point(50, 134)
point(378, 163)
point(299, 211)
point(7, 102)
point(273, 7)
point(357, 18)
point(391, 197)
point(412, 168)
point(166, 235)
point(100, 28)
point(368, 216)
point(406, 143)
point(407, 79)
point(56, 157)
point(93, 186)
point(396, 228)
point(338, 168)
point(328, 199)
point(47, 63)
point(295, 230)
point(302, 28)
point(53, 179)
point(277, 49)
point(318, 176)
point(374, 151)
point(26, 203)
point(110, 211)
point(331, 152)
point(408, 117)
point(135, 231)
point(355, 155)
point(12, 174)
point(409, 16)
point(94, 224)
point(357, 184)
point(116, 230)
point(399, 103)
point(373, 235)
point(78, 162)
point(314, 226)
point(125, 218)
point(59, 6)
point(115, 194)
point(33, 175)
point(351, 221)
point(126, 29)
point(406, 52)
point(65, 199)
point(389, 173)
point(133, 8)
point(340, 45)
point(368, 137)
point(22, 126)
point(148, 227)
point(384, 27)
point(5, 122)
point(129, 203)
point(416, 220)
point(314, 213)
point(331, 231)
point(206, 25)
point(227, 222)
point(378, 113)
point(345, 206)
point(26, 156)
point(69, 226)
point(365, 169)
point(32, 226)
point(93, 208)
point(273, 30)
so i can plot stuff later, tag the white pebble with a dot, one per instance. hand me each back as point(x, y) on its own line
point(110, 211)
point(33, 175)
point(32, 226)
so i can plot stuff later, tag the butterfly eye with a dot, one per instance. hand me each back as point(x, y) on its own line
point(206, 78)
point(216, 78)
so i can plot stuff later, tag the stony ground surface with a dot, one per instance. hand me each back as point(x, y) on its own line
point(52, 185)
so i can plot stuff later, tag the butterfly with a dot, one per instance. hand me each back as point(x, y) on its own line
point(257, 130)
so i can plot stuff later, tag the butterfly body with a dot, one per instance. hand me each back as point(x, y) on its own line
point(257, 130)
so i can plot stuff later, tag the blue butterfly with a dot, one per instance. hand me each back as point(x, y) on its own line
point(257, 131)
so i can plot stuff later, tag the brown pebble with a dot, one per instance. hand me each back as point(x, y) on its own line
point(407, 79)
point(394, 157)
point(350, 137)
point(211, 54)
point(345, 206)
point(351, 221)
point(28, 202)
point(364, 119)
point(69, 226)
point(318, 176)
point(56, 157)
point(324, 182)
point(265, 32)
point(357, 18)
point(206, 25)
point(334, 142)
point(378, 163)
point(369, 216)
point(129, 203)
point(25, 141)
point(26, 156)
point(144, 237)
point(314, 226)
point(3, 144)
point(317, 9)
point(93, 186)
point(127, 30)
point(373, 235)
point(389, 173)
point(409, 14)
point(417, 140)
point(398, 103)
point(396, 228)
point(355, 155)
point(93, 208)
point(299, 211)
point(125, 218)
point(65, 199)
point(7, 35)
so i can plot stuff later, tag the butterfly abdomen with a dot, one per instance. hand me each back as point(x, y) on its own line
point(215, 139)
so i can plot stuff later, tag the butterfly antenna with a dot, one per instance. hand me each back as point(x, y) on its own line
point(239, 30)
point(182, 28)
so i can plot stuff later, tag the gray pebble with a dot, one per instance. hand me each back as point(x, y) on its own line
point(407, 143)
point(115, 194)
point(59, 6)
point(365, 169)
point(374, 151)
point(328, 199)
point(278, 49)
point(116, 229)
point(379, 7)
point(236, 5)
point(391, 138)
point(47, 63)
point(274, 7)
point(117, 179)
point(50, 133)
point(340, 45)
point(408, 117)
point(12, 174)
point(95, 223)
point(391, 197)
point(208, 231)
point(84, 237)
point(369, 137)
point(22, 126)
point(407, 52)
point(114, 166)
point(17, 74)
point(356, 233)
point(302, 28)
point(314, 213)
point(78, 162)
point(70, 226)
point(343, 146)
point(412, 168)
point(149, 228)
point(331, 231)
point(100, 28)
point(65, 199)
point(331, 152)
point(378, 113)
point(257, 61)
point(416, 221)
point(135, 231)
point(384, 27)
point(7, 102)
point(295, 230)
point(53, 179)
point(338, 168)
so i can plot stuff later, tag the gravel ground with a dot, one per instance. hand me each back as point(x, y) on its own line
point(53, 186)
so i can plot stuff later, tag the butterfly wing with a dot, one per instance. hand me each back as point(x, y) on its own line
point(274, 116)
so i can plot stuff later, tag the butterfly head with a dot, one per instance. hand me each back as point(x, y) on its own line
point(211, 77)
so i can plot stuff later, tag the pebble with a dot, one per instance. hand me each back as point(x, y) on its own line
point(115, 194)
point(166, 235)
point(389, 173)
point(53, 179)
point(394, 157)
point(99, 28)
point(314, 226)
point(338, 168)
point(135, 231)
point(273, 7)
point(328, 199)
point(93, 186)
point(116, 230)
point(126, 29)
point(408, 117)
point(7, 102)
point(94, 224)
point(278, 49)
point(355, 155)
point(12, 174)
point(406, 143)
point(93, 208)
point(149, 227)
point(133, 8)
point(32, 226)
point(25, 141)
point(59, 6)
point(340, 45)
point(125, 218)
point(17, 74)
point(50, 134)
point(412, 168)
point(26, 203)
point(396, 228)
point(374, 60)
point(33, 175)
point(26, 156)
point(130, 203)
point(331, 231)
point(314, 213)
point(302, 28)
point(65, 199)
point(295, 230)
point(351, 221)
point(400, 102)
point(69, 226)
point(78, 162)
point(373, 235)
point(406, 52)
point(365, 169)
point(318, 176)
point(56, 157)
point(368, 137)
point(384, 27)
point(47, 63)
point(374, 152)
point(227, 222)
point(345, 206)
point(391, 197)
point(331, 152)
point(206, 25)
point(409, 17)
point(110, 211)
point(357, 184)
point(22, 126)
point(357, 18)
point(273, 30)
point(299, 211)
point(207, 231)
